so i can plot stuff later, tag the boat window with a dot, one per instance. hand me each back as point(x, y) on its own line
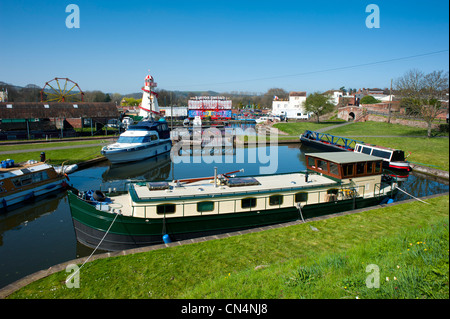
point(153, 137)
point(398, 156)
point(322, 165)
point(358, 148)
point(275, 200)
point(377, 167)
point(334, 169)
point(301, 197)
point(17, 182)
point(26, 180)
point(370, 167)
point(248, 202)
point(382, 154)
point(131, 139)
point(366, 150)
point(40, 176)
point(360, 168)
point(348, 170)
point(165, 209)
point(332, 191)
point(205, 206)
point(311, 162)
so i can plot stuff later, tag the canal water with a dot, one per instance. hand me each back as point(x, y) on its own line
point(41, 235)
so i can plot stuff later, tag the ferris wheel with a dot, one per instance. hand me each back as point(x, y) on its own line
point(61, 90)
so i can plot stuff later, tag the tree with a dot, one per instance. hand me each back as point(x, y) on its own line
point(423, 92)
point(268, 97)
point(369, 99)
point(318, 104)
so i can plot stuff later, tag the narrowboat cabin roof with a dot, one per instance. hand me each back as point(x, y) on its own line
point(20, 169)
point(344, 157)
point(146, 192)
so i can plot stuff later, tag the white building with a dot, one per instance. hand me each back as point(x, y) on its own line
point(336, 95)
point(292, 108)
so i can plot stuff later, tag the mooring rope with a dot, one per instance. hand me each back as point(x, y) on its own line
point(299, 207)
point(412, 196)
point(71, 276)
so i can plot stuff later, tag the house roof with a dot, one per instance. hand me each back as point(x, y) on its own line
point(28, 110)
point(297, 93)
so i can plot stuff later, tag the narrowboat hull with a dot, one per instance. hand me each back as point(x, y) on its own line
point(320, 145)
point(128, 232)
point(399, 166)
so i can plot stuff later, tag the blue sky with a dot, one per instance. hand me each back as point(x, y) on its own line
point(221, 45)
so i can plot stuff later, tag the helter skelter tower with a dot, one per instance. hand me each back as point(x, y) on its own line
point(149, 105)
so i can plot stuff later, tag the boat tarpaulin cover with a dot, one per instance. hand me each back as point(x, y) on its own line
point(153, 186)
point(242, 181)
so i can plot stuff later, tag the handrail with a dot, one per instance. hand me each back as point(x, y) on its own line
point(331, 139)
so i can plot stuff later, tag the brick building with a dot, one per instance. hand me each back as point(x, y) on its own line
point(43, 118)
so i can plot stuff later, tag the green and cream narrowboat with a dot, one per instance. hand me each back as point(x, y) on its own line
point(184, 209)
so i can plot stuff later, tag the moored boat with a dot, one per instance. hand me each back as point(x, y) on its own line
point(196, 207)
point(147, 138)
point(25, 182)
point(141, 141)
point(392, 158)
point(328, 142)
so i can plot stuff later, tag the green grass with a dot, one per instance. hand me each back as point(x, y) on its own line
point(38, 146)
point(297, 128)
point(412, 264)
point(291, 262)
point(432, 152)
point(56, 157)
point(377, 129)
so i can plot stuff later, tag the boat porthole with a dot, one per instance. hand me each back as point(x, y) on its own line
point(146, 220)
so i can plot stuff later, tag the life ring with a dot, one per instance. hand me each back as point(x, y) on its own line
point(98, 196)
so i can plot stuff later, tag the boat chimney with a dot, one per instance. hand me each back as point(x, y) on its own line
point(215, 176)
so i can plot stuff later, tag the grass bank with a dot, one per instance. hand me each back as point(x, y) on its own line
point(297, 128)
point(407, 241)
point(432, 152)
point(56, 157)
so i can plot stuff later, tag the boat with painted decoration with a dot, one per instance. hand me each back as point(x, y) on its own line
point(26, 182)
point(392, 158)
point(154, 212)
point(328, 142)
